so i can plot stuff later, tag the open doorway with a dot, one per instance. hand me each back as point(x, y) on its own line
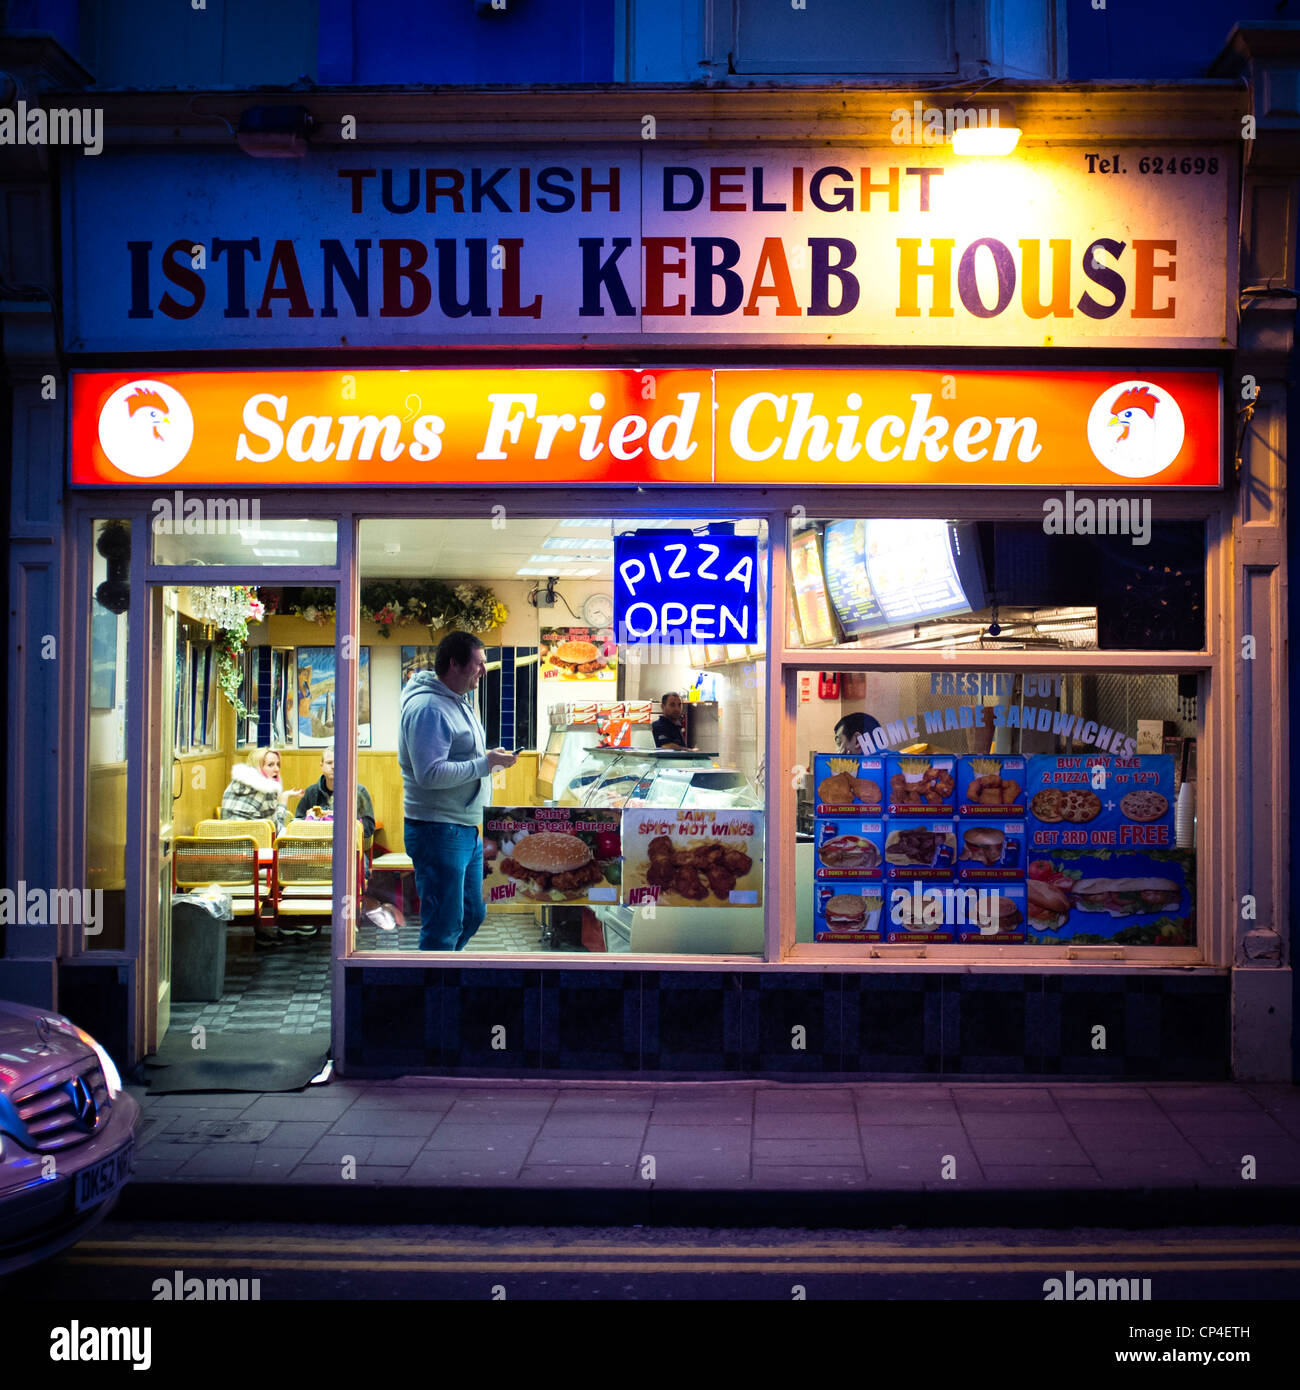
point(239, 939)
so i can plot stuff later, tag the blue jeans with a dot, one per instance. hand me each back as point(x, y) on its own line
point(448, 862)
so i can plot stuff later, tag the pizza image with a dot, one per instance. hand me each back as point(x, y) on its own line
point(1071, 804)
point(1144, 805)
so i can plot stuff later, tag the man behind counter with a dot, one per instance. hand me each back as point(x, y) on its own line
point(669, 730)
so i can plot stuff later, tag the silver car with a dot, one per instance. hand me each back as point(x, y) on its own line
point(66, 1134)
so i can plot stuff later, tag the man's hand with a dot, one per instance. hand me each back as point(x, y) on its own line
point(501, 757)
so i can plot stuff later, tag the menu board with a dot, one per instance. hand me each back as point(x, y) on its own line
point(1103, 862)
point(551, 854)
point(810, 590)
point(578, 654)
point(888, 572)
point(856, 606)
point(1047, 849)
point(697, 858)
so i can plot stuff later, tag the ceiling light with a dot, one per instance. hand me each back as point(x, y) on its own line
point(250, 535)
point(276, 554)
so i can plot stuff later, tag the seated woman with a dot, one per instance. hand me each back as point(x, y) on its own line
point(255, 791)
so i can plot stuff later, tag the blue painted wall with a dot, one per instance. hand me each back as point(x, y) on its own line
point(1157, 39)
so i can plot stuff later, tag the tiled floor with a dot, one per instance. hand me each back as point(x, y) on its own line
point(284, 990)
point(502, 931)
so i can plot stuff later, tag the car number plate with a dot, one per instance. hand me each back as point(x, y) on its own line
point(104, 1178)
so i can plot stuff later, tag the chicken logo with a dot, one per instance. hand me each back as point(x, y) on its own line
point(1135, 429)
point(146, 428)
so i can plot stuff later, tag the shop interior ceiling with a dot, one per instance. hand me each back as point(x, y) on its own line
point(482, 549)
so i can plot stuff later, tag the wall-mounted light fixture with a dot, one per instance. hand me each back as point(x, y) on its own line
point(985, 128)
point(274, 132)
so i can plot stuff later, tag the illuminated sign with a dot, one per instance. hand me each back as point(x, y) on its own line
point(674, 586)
point(1051, 247)
point(1043, 428)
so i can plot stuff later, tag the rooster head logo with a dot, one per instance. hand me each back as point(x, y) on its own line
point(146, 428)
point(1135, 429)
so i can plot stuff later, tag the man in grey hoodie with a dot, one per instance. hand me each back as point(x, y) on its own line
point(446, 771)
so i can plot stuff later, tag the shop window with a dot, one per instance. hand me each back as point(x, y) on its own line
point(189, 530)
point(937, 584)
point(1072, 797)
point(105, 799)
point(581, 704)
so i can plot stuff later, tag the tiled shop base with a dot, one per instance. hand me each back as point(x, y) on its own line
point(513, 1019)
point(283, 990)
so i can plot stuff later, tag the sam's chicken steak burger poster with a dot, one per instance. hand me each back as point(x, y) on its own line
point(550, 855)
point(705, 858)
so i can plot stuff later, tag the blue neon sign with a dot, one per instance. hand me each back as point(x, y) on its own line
point(673, 586)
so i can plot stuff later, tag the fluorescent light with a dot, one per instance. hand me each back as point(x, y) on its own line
point(276, 554)
point(576, 543)
point(559, 562)
point(251, 535)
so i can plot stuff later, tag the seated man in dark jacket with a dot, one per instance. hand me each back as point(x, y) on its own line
point(319, 797)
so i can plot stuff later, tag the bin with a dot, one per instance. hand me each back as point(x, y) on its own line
point(198, 953)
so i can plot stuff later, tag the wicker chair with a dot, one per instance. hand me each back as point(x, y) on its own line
point(231, 862)
point(304, 856)
point(263, 831)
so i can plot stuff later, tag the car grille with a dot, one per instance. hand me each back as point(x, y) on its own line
point(47, 1108)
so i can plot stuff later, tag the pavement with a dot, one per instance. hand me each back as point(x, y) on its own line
point(469, 1151)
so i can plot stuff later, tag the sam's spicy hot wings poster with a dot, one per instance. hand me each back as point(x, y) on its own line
point(704, 858)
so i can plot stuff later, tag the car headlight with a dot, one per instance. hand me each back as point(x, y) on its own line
point(112, 1078)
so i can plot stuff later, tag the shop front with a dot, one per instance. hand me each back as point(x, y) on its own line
point(918, 483)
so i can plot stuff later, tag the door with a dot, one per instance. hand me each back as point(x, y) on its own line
point(162, 792)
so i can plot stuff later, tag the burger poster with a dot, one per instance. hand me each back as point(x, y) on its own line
point(1097, 801)
point(578, 654)
point(849, 912)
point(550, 855)
point(991, 850)
point(1103, 897)
point(702, 858)
point(850, 848)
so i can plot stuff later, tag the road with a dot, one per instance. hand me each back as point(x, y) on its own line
point(124, 1261)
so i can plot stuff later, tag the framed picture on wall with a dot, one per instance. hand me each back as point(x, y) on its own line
point(416, 659)
point(316, 697)
point(103, 657)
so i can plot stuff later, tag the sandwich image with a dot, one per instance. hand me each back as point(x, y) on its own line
point(1049, 906)
point(549, 867)
point(583, 658)
point(983, 844)
point(1126, 897)
point(849, 912)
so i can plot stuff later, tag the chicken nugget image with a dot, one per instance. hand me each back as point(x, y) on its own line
point(661, 847)
point(836, 790)
point(865, 790)
point(687, 883)
point(737, 861)
point(721, 881)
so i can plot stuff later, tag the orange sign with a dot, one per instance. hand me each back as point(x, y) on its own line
point(392, 428)
point(1041, 428)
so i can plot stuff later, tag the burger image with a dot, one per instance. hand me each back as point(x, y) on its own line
point(1005, 918)
point(550, 867)
point(983, 844)
point(848, 852)
point(1049, 906)
point(583, 658)
point(849, 912)
point(1126, 897)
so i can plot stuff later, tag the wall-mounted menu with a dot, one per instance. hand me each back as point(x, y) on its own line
point(810, 590)
point(857, 607)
